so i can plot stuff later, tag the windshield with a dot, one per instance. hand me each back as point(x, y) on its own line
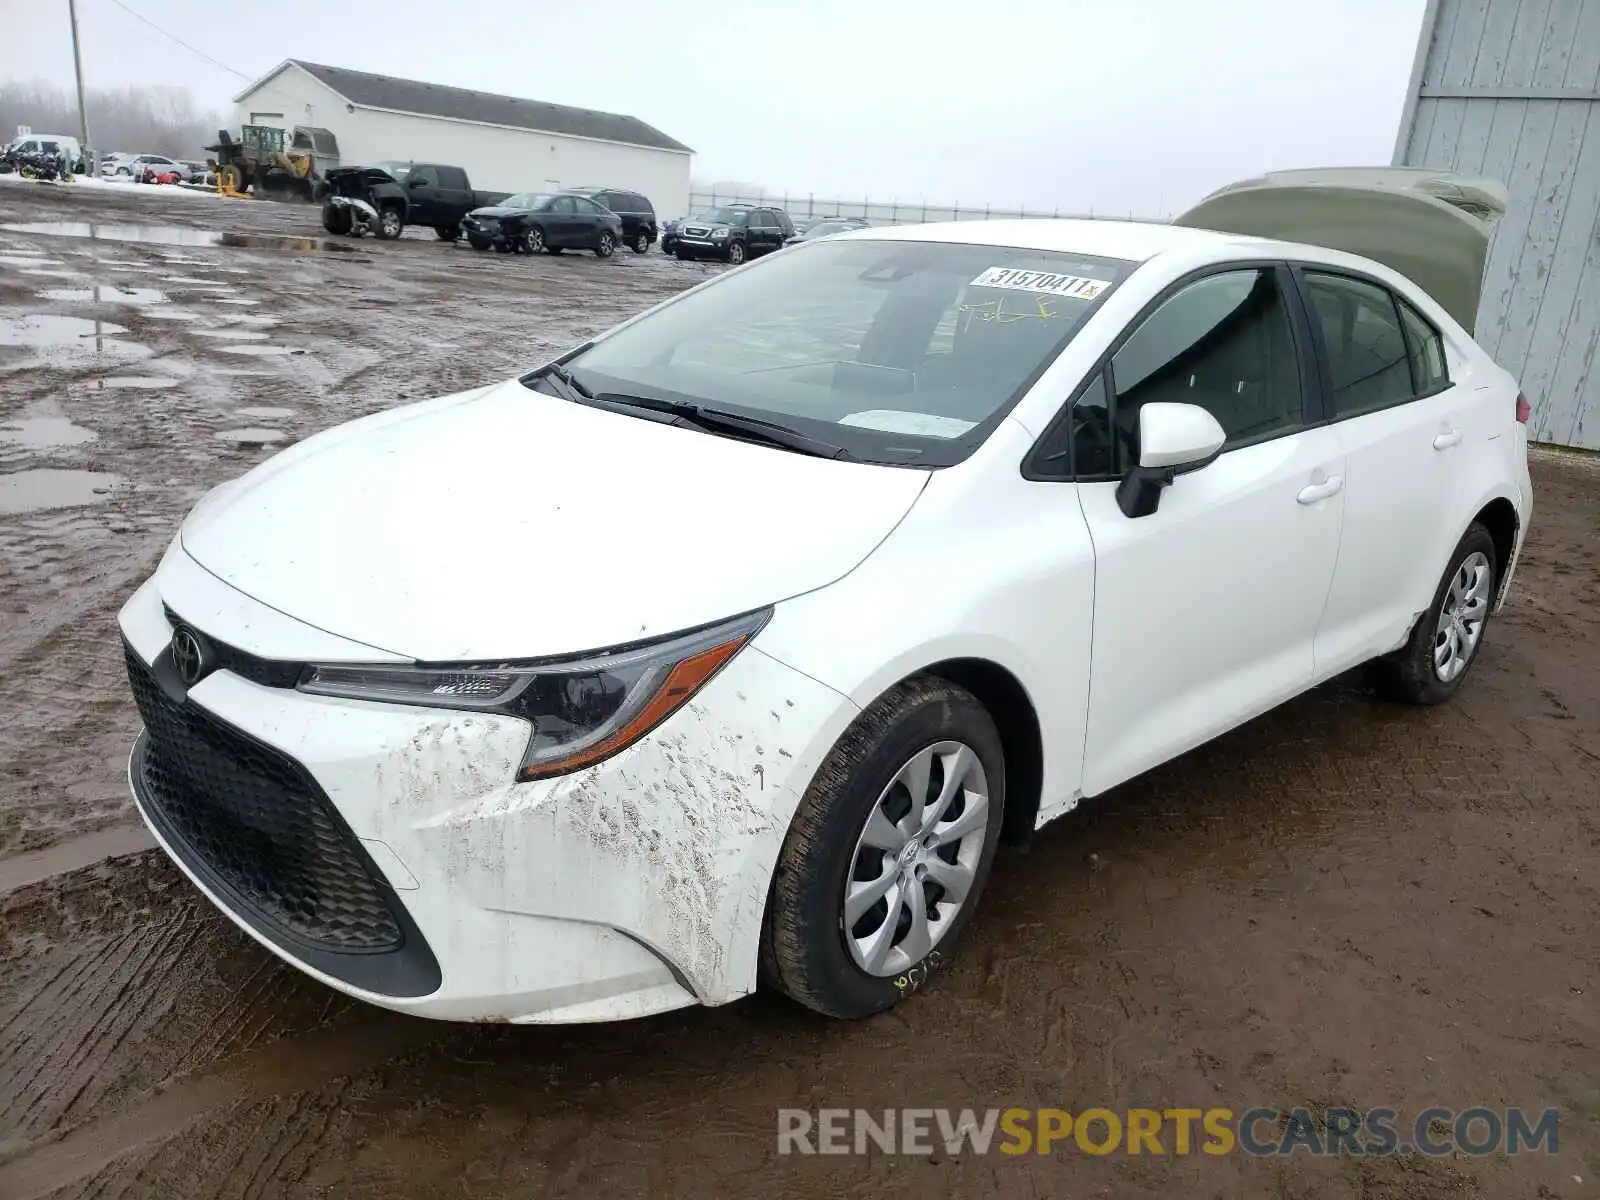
point(529, 200)
point(824, 228)
point(398, 170)
point(902, 352)
point(725, 216)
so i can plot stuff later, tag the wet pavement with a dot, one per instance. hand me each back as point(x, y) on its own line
point(1343, 903)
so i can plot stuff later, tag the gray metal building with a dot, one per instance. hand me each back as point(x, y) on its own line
point(1510, 89)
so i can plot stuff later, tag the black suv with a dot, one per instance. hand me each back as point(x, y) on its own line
point(733, 232)
point(639, 228)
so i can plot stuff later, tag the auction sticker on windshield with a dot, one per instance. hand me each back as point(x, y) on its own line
point(1018, 280)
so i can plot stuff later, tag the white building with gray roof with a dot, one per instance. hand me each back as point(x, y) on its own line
point(505, 143)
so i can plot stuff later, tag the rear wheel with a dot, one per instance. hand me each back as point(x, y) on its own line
point(887, 855)
point(605, 245)
point(641, 242)
point(1444, 644)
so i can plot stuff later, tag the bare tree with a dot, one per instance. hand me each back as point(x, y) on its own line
point(141, 120)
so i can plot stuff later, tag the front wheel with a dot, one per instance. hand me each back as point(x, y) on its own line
point(1445, 642)
point(336, 219)
point(448, 233)
point(734, 253)
point(390, 223)
point(533, 241)
point(605, 245)
point(888, 853)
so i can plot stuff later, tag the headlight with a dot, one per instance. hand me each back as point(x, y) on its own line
point(582, 710)
point(721, 231)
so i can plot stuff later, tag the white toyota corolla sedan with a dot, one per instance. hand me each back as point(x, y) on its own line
point(728, 646)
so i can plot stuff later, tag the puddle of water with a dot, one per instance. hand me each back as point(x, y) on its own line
point(252, 436)
point(34, 491)
point(233, 335)
point(168, 235)
point(44, 329)
point(172, 235)
point(170, 314)
point(117, 382)
point(42, 433)
point(261, 413)
point(27, 260)
point(105, 294)
point(51, 273)
point(262, 351)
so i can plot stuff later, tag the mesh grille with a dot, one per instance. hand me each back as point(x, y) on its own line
point(254, 820)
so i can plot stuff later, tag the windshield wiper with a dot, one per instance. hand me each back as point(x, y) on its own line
point(716, 420)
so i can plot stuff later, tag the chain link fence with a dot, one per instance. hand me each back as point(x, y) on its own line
point(888, 212)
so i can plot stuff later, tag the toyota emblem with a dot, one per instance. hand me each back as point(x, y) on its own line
point(188, 655)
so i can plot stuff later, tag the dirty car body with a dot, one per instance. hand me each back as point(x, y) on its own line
point(513, 746)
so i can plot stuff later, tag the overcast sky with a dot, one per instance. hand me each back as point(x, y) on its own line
point(1107, 105)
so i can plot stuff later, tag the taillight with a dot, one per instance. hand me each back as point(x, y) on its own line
point(1524, 409)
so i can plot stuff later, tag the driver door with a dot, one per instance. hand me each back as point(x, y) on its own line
point(1206, 610)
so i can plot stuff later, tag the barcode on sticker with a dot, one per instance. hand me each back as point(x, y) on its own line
point(1044, 282)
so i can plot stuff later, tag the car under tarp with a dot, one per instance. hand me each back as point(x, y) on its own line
point(1432, 226)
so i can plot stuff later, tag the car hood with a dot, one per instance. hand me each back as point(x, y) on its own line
point(506, 523)
point(1431, 226)
point(496, 212)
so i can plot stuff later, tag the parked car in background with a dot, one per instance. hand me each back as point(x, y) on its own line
point(887, 582)
point(544, 222)
point(733, 233)
point(148, 168)
point(57, 146)
point(820, 227)
point(639, 228)
point(403, 193)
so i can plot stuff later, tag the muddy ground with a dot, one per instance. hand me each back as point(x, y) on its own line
point(1343, 903)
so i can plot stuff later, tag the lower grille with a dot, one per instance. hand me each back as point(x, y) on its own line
point(253, 822)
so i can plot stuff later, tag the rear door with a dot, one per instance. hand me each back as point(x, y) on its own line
point(455, 197)
point(765, 232)
point(1409, 419)
point(562, 228)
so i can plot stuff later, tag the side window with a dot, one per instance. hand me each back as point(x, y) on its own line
point(563, 204)
point(452, 177)
point(1367, 363)
point(1428, 370)
point(425, 176)
point(589, 206)
point(1224, 342)
point(641, 206)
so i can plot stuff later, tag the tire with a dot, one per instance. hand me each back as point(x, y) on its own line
point(1413, 674)
point(478, 243)
point(391, 222)
point(640, 243)
point(734, 254)
point(682, 256)
point(447, 233)
point(554, 251)
point(605, 245)
point(336, 220)
point(533, 240)
point(806, 948)
point(230, 179)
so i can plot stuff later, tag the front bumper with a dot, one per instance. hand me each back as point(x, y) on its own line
point(700, 247)
point(398, 862)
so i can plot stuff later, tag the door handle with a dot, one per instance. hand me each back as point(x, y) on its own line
point(1330, 486)
point(1445, 440)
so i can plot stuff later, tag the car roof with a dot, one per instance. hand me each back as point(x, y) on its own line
point(1134, 241)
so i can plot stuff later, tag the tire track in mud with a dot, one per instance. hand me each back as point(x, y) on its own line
point(282, 1083)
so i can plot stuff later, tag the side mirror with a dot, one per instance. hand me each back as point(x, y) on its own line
point(1174, 439)
point(416, 183)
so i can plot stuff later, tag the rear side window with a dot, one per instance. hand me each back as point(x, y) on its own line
point(1428, 370)
point(640, 205)
point(1368, 366)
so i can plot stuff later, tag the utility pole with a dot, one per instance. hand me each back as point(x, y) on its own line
point(83, 105)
